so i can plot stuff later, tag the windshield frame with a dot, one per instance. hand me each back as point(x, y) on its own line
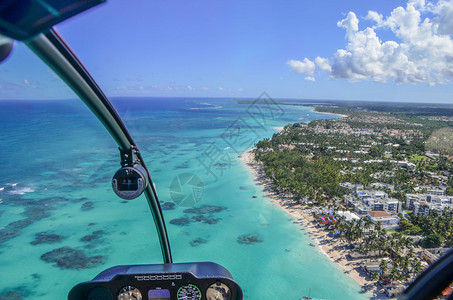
point(52, 49)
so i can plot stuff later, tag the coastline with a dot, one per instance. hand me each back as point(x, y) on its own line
point(302, 216)
point(328, 113)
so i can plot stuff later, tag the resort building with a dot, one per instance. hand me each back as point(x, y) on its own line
point(432, 255)
point(424, 204)
point(348, 216)
point(434, 190)
point(364, 201)
point(387, 220)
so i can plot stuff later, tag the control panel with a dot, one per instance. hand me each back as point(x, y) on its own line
point(180, 281)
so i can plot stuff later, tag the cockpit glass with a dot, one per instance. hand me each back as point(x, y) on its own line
point(184, 103)
point(60, 221)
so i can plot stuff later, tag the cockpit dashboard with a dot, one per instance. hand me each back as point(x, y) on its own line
point(181, 281)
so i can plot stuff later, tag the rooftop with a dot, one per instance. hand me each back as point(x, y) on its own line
point(379, 214)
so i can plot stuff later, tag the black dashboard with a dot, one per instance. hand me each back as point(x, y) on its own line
point(180, 281)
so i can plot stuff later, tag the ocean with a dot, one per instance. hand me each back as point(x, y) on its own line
point(61, 223)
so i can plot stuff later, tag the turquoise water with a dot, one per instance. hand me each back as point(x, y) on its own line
point(57, 163)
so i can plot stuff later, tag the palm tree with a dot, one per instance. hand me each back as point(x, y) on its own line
point(383, 267)
point(416, 267)
point(375, 276)
point(405, 266)
point(394, 274)
point(366, 223)
point(411, 253)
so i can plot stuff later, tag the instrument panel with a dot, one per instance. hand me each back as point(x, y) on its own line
point(180, 281)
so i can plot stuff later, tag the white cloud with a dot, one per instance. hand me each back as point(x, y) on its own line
point(221, 89)
point(306, 66)
point(424, 52)
point(374, 16)
point(351, 23)
point(310, 78)
point(189, 87)
point(323, 64)
point(204, 88)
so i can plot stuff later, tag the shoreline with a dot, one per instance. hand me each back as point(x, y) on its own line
point(302, 216)
point(328, 113)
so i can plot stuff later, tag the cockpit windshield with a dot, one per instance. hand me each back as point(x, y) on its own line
point(252, 170)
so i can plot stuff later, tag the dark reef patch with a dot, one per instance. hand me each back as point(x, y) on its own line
point(11, 296)
point(38, 212)
point(16, 293)
point(198, 242)
point(167, 206)
point(249, 239)
point(20, 224)
point(46, 238)
point(94, 236)
point(205, 209)
point(203, 219)
point(245, 188)
point(8, 233)
point(68, 258)
point(36, 276)
point(180, 221)
point(35, 210)
point(80, 199)
point(183, 166)
point(89, 205)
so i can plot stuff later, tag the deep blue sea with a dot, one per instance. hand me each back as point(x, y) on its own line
point(57, 162)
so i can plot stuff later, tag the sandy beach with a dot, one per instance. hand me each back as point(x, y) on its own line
point(302, 216)
point(328, 113)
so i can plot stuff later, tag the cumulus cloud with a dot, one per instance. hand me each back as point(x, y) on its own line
point(351, 23)
point(421, 52)
point(306, 66)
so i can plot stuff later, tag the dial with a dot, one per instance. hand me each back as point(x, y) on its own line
point(189, 292)
point(129, 293)
point(218, 291)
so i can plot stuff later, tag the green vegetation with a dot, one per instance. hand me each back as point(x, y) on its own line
point(437, 227)
point(441, 141)
point(417, 158)
point(316, 179)
point(311, 160)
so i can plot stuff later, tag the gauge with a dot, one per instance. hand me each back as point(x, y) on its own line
point(129, 293)
point(218, 291)
point(189, 292)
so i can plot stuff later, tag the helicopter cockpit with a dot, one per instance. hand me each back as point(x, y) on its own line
point(32, 21)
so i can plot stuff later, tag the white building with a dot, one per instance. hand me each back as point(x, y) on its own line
point(424, 204)
point(387, 220)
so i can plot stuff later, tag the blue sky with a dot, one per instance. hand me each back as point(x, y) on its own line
point(289, 49)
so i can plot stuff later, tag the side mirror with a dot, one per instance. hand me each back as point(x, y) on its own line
point(130, 182)
point(6, 46)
